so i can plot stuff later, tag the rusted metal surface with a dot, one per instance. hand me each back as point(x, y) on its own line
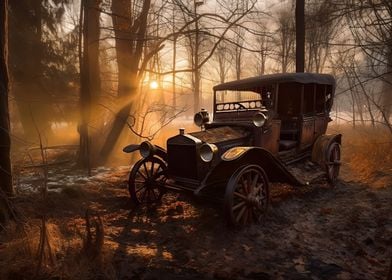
point(320, 147)
point(269, 138)
point(221, 134)
point(307, 132)
point(239, 156)
point(320, 125)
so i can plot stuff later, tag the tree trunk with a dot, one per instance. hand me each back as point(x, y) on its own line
point(85, 95)
point(5, 141)
point(300, 35)
point(386, 101)
point(174, 62)
point(26, 52)
point(197, 80)
point(174, 74)
point(130, 34)
point(93, 50)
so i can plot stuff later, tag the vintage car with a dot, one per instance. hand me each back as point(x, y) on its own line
point(260, 126)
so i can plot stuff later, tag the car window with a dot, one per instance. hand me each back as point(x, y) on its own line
point(309, 99)
point(237, 95)
point(320, 98)
point(227, 101)
point(289, 99)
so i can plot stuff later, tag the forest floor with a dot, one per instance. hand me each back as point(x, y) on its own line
point(314, 232)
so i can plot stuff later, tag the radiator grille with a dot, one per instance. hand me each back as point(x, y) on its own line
point(182, 161)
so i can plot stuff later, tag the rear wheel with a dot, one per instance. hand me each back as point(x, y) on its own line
point(333, 162)
point(147, 179)
point(246, 197)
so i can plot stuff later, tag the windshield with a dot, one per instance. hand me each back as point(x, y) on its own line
point(226, 96)
point(237, 100)
point(228, 100)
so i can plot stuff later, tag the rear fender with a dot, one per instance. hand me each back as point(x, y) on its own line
point(236, 157)
point(159, 151)
point(321, 145)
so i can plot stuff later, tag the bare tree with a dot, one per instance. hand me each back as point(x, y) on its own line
point(93, 38)
point(85, 89)
point(264, 47)
point(285, 40)
point(238, 51)
point(371, 25)
point(321, 29)
point(130, 26)
point(5, 141)
point(300, 36)
point(222, 59)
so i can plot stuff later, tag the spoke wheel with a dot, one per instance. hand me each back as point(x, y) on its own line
point(333, 163)
point(246, 197)
point(146, 182)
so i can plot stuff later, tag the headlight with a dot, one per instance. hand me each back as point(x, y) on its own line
point(146, 149)
point(259, 119)
point(201, 118)
point(207, 152)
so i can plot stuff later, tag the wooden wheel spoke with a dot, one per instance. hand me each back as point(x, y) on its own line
point(145, 186)
point(240, 195)
point(139, 189)
point(333, 166)
point(238, 218)
point(254, 182)
point(144, 194)
point(146, 170)
point(145, 178)
point(259, 188)
point(152, 169)
point(244, 185)
point(246, 196)
point(237, 206)
point(158, 173)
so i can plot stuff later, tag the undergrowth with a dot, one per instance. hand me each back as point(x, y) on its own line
point(64, 256)
point(367, 152)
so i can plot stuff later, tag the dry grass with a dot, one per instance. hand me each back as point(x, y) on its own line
point(19, 250)
point(367, 154)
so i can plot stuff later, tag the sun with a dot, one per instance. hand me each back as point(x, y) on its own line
point(154, 85)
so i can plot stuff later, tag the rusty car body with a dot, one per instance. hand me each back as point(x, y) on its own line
point(260, 126)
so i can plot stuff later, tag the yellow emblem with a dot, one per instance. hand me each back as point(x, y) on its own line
point(234, 153)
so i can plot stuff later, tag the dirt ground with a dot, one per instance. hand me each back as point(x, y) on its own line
point(315, 232)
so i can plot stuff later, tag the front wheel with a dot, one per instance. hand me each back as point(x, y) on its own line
point(146, 182)
point(246, 197)
point(333, 162)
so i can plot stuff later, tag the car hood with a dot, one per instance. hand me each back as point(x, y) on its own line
point(221, 134)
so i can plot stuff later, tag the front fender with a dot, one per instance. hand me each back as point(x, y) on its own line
point(235, 157)
point(320, 147)
point(159, 151)
point(131, 148)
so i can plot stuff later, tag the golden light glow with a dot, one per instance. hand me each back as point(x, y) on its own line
point(154, 85)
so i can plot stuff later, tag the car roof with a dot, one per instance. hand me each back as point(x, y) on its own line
point(302, 78)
